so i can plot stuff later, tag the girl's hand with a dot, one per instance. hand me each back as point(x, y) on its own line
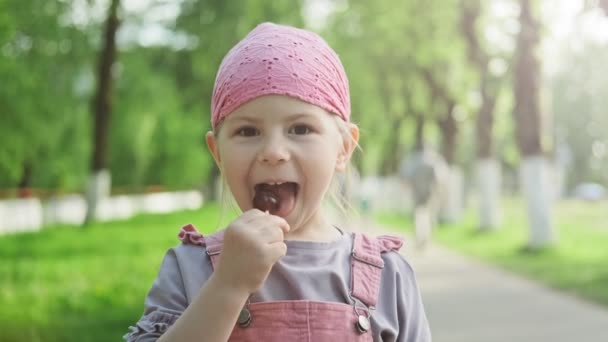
point(252, 244)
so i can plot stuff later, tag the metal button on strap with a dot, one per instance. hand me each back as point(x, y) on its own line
point(363, 313)
point(244, 318)
point(363, 324)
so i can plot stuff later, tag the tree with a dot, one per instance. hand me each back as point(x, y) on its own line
point(527, 114)
point(452, 183)
point(487, 168)
point(99, 185)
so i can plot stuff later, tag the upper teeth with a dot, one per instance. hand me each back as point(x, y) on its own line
point(275, 183)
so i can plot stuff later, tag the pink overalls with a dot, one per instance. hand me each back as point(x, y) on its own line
point(303, 320)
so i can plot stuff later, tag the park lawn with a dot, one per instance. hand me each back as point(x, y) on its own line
point(578, 264)
point(72, 284)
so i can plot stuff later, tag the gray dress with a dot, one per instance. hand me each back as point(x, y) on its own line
point(315, 271)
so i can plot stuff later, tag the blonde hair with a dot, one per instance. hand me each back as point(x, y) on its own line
point(339, 193)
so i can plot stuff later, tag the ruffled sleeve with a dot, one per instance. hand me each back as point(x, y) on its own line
point(189, 235)
point(164, 303)
point(151, 326)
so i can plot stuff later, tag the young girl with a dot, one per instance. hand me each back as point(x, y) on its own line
point(280, 271)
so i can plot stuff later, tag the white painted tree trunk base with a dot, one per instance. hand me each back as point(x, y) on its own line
point(537, 188)
point(451, 195)
point(98, 189)
point(489, 177)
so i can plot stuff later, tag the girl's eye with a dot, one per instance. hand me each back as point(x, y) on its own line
point(247, 131)
point(300, 130)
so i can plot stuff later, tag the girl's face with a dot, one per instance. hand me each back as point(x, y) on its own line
point(279, 139)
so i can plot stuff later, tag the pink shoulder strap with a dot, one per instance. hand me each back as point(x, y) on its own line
point(367, 265)
point(214, 242)
point(189, 235)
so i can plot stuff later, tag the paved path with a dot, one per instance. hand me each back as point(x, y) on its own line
point(467, 301)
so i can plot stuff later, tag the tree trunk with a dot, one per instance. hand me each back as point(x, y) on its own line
point(488, 168)
point(99, 182)
point(449, 131)
point(535, 182)
point(488, 173)
point(24, 189)
point(484, 125)
point(452, 193)
point(533, 168)
point(391, 149)
point(527, 84)
point(419, 133)
point(488, 179)
point(446, 121)
point(604, 6)
point(392, 156)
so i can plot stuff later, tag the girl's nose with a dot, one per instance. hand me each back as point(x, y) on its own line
point(274, 150)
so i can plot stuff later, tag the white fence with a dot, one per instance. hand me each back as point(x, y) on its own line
point(31, 214)
point(383, 194)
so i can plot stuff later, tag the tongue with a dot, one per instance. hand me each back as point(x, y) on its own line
point(277, 199)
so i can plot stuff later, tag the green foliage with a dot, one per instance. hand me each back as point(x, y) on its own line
point(39, 108)
point(161, 96)
point(162, 92)
point(579, 102)
point(153, 139)
point(388, 47)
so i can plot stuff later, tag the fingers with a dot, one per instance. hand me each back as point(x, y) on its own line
point(253, 243)
point(277, 250)
point(250, 215)
point(278, 221)
point(260, 226)
point(256, 216)
point(272, 234)
point(270, 228)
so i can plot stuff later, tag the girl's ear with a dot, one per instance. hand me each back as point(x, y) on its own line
point(212, 145)
point(349, 142)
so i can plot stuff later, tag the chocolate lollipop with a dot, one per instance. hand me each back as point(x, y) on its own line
point(266, 201)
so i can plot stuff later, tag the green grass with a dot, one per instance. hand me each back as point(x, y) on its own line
point(73, 284)
point(578, 264)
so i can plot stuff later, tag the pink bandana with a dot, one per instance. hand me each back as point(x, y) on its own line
point(277, 59)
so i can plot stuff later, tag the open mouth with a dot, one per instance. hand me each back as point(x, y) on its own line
point(277, 198)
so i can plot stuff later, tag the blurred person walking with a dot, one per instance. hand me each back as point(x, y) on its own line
point(425, 172)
